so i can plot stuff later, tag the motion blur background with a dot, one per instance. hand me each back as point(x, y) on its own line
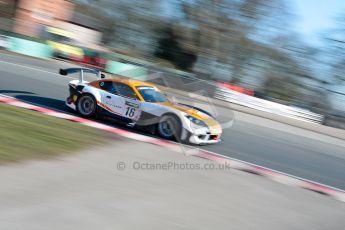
point(285, 51)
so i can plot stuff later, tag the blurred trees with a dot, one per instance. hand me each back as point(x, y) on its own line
point(129, 26)
point(245, 42)
point(335, 48)
point(241, 37)
point(333, 60)
point(169, 48)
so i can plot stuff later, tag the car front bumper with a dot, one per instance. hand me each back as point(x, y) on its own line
point(204, 139)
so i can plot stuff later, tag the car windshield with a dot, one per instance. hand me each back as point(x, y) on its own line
point(151, 94)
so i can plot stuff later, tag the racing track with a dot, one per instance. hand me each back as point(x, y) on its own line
point(253, 139)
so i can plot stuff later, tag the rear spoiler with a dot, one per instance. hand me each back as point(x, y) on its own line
point(65, 72)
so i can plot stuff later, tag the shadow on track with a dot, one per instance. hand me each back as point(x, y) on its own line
point(44, 102)
point(30, 97)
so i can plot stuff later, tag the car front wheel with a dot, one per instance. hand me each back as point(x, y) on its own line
point(169, 127)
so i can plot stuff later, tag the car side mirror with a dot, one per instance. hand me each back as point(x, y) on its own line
point(63, 72)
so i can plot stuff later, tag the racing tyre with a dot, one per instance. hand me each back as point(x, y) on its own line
point(87, 105)
point(169, 127)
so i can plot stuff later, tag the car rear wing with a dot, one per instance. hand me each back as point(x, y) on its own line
point(67, 71)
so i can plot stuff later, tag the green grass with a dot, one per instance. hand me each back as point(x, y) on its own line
point(26, 134)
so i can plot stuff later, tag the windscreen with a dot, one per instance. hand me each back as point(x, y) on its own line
point(150, 94)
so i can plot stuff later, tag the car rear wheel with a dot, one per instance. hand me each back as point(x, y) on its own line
point(87, 105)
point(169, 127)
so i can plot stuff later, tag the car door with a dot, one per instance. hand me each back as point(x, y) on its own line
point(110, 100)
point(120, 99)
point(130, 102)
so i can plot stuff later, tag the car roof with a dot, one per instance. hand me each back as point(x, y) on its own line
point(130, 82)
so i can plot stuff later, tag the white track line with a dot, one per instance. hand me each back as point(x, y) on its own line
point(37, 69)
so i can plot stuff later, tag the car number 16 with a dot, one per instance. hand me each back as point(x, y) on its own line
point(130, 112)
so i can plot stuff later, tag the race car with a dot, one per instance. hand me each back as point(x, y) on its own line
point(140, 104)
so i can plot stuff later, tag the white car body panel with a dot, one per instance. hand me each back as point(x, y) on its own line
point(133, 109)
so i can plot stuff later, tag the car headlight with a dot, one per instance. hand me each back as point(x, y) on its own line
point(196, 122)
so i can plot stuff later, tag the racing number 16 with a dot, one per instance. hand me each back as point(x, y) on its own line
point(130, 111)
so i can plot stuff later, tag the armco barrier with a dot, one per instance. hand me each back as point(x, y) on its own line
point(30, 48)
point(218, 91)
point(234, 97)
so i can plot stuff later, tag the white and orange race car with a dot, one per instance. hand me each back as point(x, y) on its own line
point(140, 104)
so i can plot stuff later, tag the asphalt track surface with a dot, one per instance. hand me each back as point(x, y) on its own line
point(252, 139)
point(88, 191)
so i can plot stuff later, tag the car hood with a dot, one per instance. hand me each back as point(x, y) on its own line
point(209, 121)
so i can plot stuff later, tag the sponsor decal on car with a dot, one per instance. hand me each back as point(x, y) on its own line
point(132, 104)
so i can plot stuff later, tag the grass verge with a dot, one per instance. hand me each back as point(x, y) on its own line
point(26, 134)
